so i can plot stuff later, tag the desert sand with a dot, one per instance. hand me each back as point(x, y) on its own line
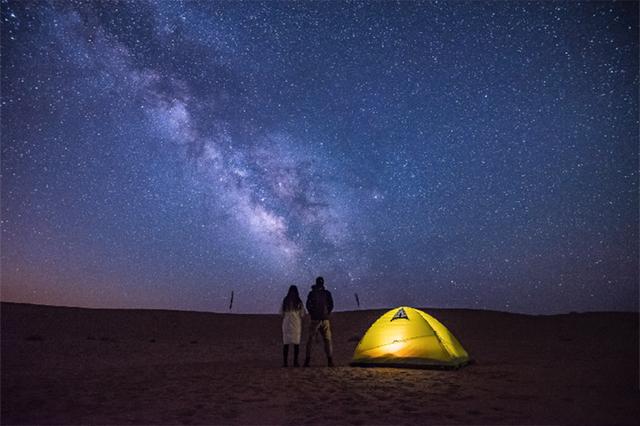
point(90, 366)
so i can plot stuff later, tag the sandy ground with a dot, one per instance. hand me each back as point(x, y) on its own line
point(72, 366)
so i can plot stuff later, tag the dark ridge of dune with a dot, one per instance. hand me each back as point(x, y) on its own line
point(121, 366)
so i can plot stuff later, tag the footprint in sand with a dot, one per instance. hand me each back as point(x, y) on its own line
point(353, 411)
point(187, 413)
point(381, 396)
point(253, 399)
point(229, 414)
point(409, 408)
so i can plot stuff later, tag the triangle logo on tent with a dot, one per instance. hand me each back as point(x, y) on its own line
point(400, 314)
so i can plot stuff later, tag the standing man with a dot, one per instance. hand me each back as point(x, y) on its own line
point(319, 306)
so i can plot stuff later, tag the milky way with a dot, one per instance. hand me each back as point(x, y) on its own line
point(163, 154)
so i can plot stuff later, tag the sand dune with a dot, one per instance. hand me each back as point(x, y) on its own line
point(70, 366)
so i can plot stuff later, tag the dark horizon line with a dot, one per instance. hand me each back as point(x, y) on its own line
point(7, 302)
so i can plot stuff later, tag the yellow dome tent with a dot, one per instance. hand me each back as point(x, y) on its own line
point(409, 338)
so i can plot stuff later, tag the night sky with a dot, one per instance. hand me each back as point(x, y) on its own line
point(444, 154)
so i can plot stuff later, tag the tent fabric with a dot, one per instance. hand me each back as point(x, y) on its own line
point(408, 337)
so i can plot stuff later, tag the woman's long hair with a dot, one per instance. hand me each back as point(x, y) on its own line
point(292, 300)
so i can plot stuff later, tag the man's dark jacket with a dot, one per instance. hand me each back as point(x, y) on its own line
point(319, 303)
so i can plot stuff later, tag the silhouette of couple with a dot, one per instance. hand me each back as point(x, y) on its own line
point(319, 305)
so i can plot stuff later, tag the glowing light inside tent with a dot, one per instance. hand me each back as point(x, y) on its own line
point(395, 346)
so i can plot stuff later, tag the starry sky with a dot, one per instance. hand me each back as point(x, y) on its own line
point(436, 154)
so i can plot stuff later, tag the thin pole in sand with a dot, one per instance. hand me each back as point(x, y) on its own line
point(231, 303)
point(357, 300)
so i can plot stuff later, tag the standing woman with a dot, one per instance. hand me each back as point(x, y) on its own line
point(292, 313)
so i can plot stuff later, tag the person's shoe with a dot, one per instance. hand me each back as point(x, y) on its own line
point(306, 363)
point(285, 364)
point(295, 363)
point(330, 362)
